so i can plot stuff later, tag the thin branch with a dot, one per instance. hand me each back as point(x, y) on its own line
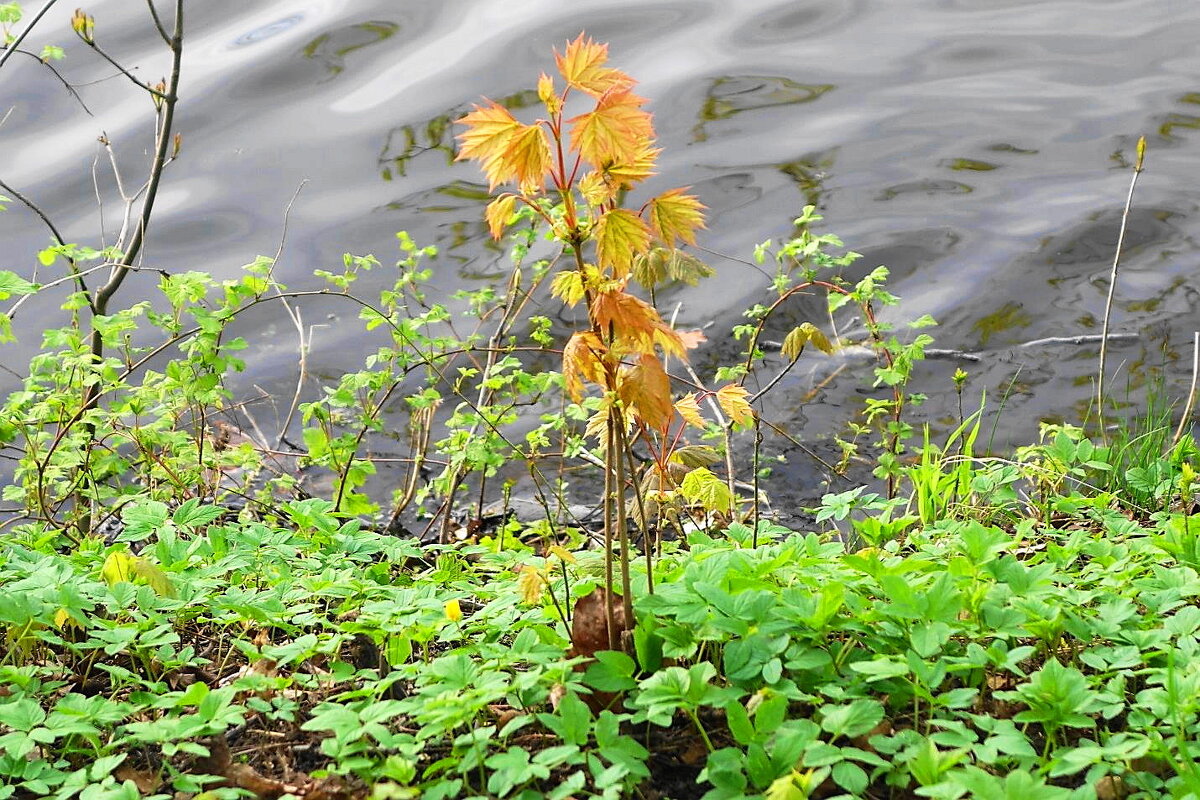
point(1187, 409)
point(162, 29)
point(12, 48)
point(137, 82)
point(1112, 282)
point(54, 70)
point(106, 292)
point(294, 315)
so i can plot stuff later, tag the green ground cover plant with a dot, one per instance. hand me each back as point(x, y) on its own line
point(181, 618)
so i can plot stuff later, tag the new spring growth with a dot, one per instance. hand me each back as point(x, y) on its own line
point(83, 25)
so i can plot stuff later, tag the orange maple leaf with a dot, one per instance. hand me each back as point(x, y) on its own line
point(621, 236)
point(528, 155)
point(486, 139)
point(582, 66)
point(626, 174)
point(498, 213)
point(646, 391)
point(581, 359)
point(675, 215)
point(617, 131)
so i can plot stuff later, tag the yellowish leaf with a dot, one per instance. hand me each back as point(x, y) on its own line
point(801, 335)
point(547, 95)
point(498, 213)
point(582, 66)
point(489, 131)
point(689, 409)
point(621, 236)
point(627, 173)
point(645, 389)
point(675, 215)
point(528, 154)
point(530, 584)
point(564, 555)
point(62, 618)
point(568, 286)
point(616, 132)
point(596, 188)
point(153, 575)
point(582, 360)
point(597, 424)
point(734, 401)
point(453, 610)
point(117, 568)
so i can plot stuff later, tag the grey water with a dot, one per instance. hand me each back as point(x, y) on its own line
point(981, 149)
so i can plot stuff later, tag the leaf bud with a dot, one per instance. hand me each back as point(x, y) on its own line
point(83, 25)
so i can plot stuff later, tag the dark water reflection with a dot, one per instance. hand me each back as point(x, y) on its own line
point(979, 148)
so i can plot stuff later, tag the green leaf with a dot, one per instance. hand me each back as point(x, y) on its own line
point(851, 720)
point(702, 487)
point(11, 283)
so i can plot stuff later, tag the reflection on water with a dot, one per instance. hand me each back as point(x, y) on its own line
point(332, 47)
point(406, 142)
point(734, 94)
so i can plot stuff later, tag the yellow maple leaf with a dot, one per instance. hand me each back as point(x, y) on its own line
point(528, 155)
point(547, 95)
point(498, 213)
point(596, 188)
point(645, 389)
point(489, 131)
point(530, 584)
point(734, 401)
point(568, 286)
point(675, 215)
point(616, 132)
point(582, 66)
point(689, 408)
point(564, 555)
point(621, 236)
point(582, 359)
point(628, 173)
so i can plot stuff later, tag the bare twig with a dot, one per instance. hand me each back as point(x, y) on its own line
point(162, 29)
point(1191, 400)
point(294, 316)
point(54, 71)
point(12, 48)
point(1112, 283)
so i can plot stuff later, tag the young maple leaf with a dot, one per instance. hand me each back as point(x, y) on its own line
point(626, 174)
point(645, 389)
point(689, 409)
point(498, 212)
point(581, 359)
point(675, 215)
point(616, 132)
point(582, 66)
point(568, 286)
point(734, 401)
point(632, 320)
point(528, 156)
point(621, 236)
point(486, 139)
